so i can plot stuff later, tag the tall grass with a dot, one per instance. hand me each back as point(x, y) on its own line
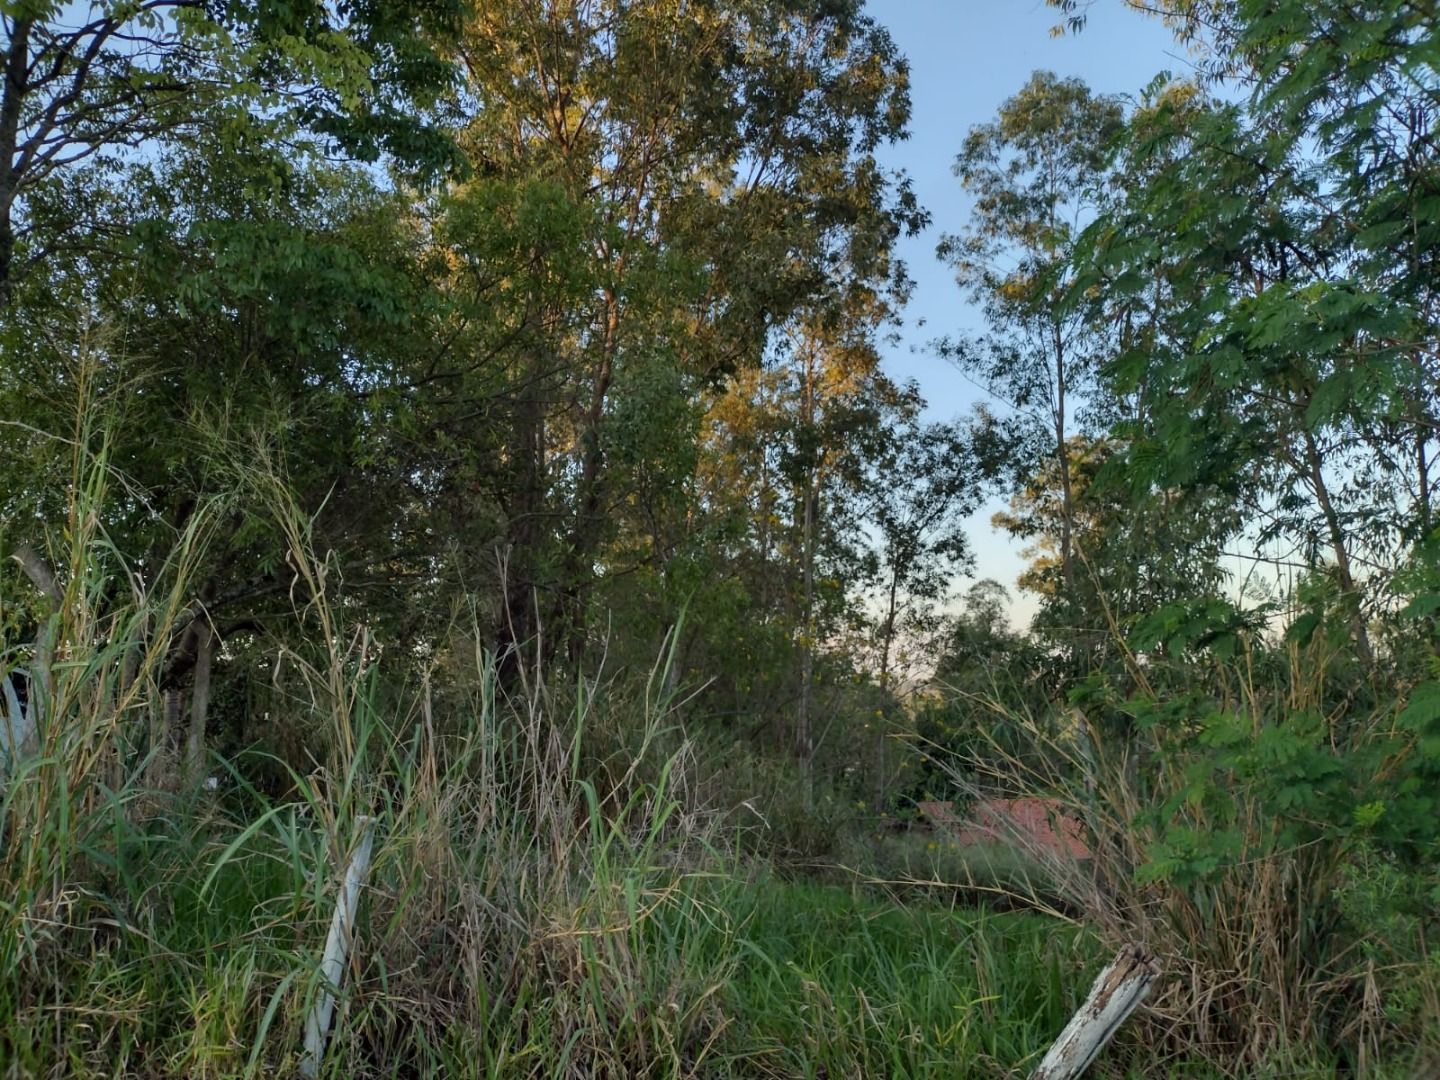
point(548, 896)
point(147, 928)
point(94, 674)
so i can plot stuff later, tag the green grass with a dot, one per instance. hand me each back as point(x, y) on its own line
point(726, 977)
point(846, 982)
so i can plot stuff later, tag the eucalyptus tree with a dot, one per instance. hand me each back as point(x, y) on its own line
point(712, 170)
point(843, 410)
point(783, 487)
point(1037, 173)
point(922, 484)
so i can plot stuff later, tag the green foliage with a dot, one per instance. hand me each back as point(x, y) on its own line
point(371, 376)
point(1215, 624)
point(986, 674)
point(1260, 758)
point(355, 79)
point(1267, 336)
point(1255, 791)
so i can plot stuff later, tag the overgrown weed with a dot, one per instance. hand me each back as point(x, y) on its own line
point(1232, 809)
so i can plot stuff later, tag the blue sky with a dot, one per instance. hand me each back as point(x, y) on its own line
point(966, 57)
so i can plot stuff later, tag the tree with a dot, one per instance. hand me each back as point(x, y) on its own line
point(717, 171)
point(920, 541)
point(980, 633)
point(177, 261)
point(921, 545)
point(249, 331)
point(1269, 260)
point(1136, 556)
point(989, 682)
point(96, 84)
point(784, 483)
point(1037, 173)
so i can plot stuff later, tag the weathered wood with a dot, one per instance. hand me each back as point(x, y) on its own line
point(337, 950)
point(1121, 987)
point(15, 726)
point(23, 725)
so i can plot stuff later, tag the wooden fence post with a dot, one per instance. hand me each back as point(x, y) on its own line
point(337, 949)
point(1116, 993)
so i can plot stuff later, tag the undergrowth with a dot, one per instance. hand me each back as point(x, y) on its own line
point(551, 894)
point(539, 903)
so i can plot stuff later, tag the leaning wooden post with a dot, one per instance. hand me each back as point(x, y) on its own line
point(337, 949)
point(22, 726)
point(1116, 993)
point(15, 727)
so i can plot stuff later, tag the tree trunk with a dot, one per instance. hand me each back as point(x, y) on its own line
point(11, 98)
point(40, 697)
point(571, 608)
point(804, 737)
point(1337, 545)
point(199, 703)
point(804, 724)
point(171, 744)
point(38, 572)
point(163, 726)
point(881, 762)
point(518, 622)
point(1062, 460)
point(1422, 479)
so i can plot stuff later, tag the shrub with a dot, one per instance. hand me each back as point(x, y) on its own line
point(1274, 846)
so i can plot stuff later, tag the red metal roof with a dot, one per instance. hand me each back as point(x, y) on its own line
point(1024, 822)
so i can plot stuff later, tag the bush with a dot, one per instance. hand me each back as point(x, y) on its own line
point(1273, 846)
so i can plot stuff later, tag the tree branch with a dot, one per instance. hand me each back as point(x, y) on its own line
point(38, 572)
